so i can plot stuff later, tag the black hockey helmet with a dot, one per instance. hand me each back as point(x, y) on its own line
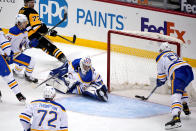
point(25, 1)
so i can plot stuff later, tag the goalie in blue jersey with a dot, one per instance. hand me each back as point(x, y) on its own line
point(173, 68)
point(79, 77)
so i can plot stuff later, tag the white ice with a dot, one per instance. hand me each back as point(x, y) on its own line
point(10, 108)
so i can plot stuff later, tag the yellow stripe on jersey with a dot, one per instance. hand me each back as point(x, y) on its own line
point(34, 19)
point(21, 62)
point(59, 54)
point(49, 130)
point(25, 118)
point(163, 55)
point(5, 45)
point(180, 90)
point(176, 65)
point(55, 51)
point(33, 31)
point(79, 91)
point(172, 83)
point(176, 105)
point(161, 76)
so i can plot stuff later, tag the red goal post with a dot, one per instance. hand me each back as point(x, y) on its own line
point(155, 37)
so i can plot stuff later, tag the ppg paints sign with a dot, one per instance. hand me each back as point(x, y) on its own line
point(188, 6)
point(52, 11)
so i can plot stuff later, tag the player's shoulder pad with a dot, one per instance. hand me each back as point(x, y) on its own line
point(55, 103)
point(16, 31)
point(49, 102)
point(27, 10)
point(161, 54)
point(76, 63)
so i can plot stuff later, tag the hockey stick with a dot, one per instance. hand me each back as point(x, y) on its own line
point(47, 80)
point(64, 18)
point(146, 98)
point(73, 41)
point(53, 75)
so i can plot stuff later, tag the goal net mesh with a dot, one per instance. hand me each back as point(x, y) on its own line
point(131, 59)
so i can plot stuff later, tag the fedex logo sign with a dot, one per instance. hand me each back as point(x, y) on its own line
point(168, 28)
point(52, 11)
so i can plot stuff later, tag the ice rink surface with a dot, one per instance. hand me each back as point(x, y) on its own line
point(10, 108)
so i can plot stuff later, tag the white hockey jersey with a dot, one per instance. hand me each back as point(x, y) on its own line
point(4, 44)
point(167, 62)
point(85, 80)
point(45, 116)
point(18, 39)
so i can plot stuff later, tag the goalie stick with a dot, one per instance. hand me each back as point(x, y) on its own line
point(47, 80)
point(56, 75)
point(146, 98)
point(73, 41)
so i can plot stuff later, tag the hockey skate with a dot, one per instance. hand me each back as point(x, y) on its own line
point(186, 109)
point(31, 79)
point(174, 123)
point(20, 97)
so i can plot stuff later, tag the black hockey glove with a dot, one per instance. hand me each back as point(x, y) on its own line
point(160, 83)
point(53, 33)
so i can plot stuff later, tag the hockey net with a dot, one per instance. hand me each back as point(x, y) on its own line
point(131, 60)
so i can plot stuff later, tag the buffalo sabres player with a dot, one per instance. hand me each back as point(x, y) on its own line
point(172, 67)
point(45, 114)
point(5, 71)
point(18, 37)
point(36, 28)
point(79, 77)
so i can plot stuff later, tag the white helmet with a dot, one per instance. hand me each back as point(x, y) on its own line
point(85, 64)
point(49, 92)
point(164, 47)
point(20, 18)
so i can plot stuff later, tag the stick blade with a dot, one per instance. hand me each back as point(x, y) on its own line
point(140, 97)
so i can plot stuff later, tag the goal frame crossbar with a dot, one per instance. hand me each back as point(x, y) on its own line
point(136, 35)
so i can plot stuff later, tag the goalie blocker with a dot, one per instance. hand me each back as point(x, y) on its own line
point(77, 78)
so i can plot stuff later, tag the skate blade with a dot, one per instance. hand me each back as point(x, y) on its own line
point(177, 125)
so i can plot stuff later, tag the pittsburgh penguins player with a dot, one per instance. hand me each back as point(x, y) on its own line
point(36, 28)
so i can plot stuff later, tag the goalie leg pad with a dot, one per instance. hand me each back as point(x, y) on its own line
point(97, 92)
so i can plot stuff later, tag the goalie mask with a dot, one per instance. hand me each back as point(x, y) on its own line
point(164, 47)
point(49, 92)
point(85, 64)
